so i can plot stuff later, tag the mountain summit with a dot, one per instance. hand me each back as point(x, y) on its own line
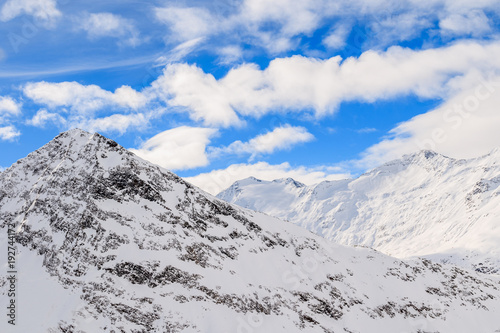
point(424, 204)
point(107, 242)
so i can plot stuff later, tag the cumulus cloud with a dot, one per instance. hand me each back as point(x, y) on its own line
point(300, 83)
point(177, 149)
point(98, 25)
point(114, 123)
point(9, 107)
point(81, 105)
point(44, 10)
point(465, 126)
point(8, 133)
point(43, 117)
point(188, 86)
point(83, 98)
point(293, 84)
point(280, 138)
point(217, 180)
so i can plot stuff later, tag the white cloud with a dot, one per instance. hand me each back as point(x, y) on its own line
point(299, 83)
point(399, 27)
point(127, 97)
point(187, 23)
point(230, 54)
point(218, 180)
point(336, 39)
point(279, 26)
point(43, 117)
point(294, 84)
point(178, 52)
point(188, 86)
point(280, 138)
point(474, 23)
point(294, 17)
point(98, 25)
point(366, 130)
point(290, 19)
point(8, 133)
point(114, 123)
point(44, 10)
point(465, 126)
point(8, 106)
point(82, 98)
point(79, 105)
point(177, 149)
point(248, 21)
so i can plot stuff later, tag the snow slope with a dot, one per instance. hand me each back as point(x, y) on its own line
point(107, 242)
point(424, 204)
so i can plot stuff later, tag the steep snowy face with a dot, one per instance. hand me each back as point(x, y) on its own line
point(106, 242)
point(424, 204)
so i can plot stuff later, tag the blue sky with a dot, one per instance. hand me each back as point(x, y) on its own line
point(219, 91)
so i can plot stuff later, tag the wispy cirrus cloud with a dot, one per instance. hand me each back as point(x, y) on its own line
point(280, 26)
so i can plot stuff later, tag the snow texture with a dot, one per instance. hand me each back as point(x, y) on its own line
point(108, 242)
point(424, 204)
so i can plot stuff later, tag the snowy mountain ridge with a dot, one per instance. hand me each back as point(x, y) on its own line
point(424, 204)
point(107, 242)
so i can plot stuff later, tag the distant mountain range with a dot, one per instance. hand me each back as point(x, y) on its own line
point(107, 242)
point(424, 204)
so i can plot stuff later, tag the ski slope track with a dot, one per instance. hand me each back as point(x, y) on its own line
point(107, 242)
point(424, 204)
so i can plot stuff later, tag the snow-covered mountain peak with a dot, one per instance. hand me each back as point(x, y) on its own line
point(427, 154)
point(423, 204)
point(289, 181)
point(108, 242)
point(248, 181)
point(74, 132)
point(426, 159)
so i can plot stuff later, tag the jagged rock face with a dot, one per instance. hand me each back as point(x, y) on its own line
point(424, 204)
point(110, 243)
